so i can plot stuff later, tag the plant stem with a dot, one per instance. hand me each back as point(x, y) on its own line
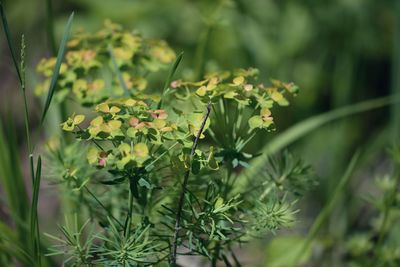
point(184, 188)
point(214, 260)
point(127, 227)
point(34, 223)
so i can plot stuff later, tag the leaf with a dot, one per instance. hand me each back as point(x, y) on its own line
point(238, 80)
point(170, 76)
point(9, 42)
point(196, 166)
point(115, 181)
point(201, 91)
point(255, 122)
point(34, 222)
point(56, 72)
point(140, 150)
point(219, 203)
point(142, 182)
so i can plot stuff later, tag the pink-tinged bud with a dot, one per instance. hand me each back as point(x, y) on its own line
point(159, 114)
point(102, 162)
point(175, 84)
point(140, 125)
point(88, 55)
point(149, 124)
point(133, 121)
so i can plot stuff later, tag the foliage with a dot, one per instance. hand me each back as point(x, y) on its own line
point(139, 149)
point(150, 168)
point(110, 63)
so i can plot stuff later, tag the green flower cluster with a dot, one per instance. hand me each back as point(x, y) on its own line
point(149, 145)
point(130, 129)
point(241, 86)
point(109, 63)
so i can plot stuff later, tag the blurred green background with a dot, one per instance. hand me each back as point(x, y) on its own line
point(338, 51)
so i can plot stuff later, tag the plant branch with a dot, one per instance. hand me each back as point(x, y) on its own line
point(184, 186)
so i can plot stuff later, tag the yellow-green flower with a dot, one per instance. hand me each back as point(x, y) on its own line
point(70, 124)
point(105, 108)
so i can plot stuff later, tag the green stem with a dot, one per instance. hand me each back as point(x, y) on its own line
point(214, 260)
point(127, 227)
point(178, 218)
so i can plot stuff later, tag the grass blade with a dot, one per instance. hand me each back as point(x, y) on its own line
point(11, 246)
point(34, 222)
point(302, 128)
point(9, 41)
point(11, 179)
point(56, 72)
point(170, 76)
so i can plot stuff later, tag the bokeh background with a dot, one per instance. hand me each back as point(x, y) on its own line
point(339, 52)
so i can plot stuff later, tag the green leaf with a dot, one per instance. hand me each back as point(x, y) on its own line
point(170, 76)
point(142, 182)
point(115, 181)
point(9, 41)
point(196, 166)
point(34, 222)
point(255, 122)
point(57, 67)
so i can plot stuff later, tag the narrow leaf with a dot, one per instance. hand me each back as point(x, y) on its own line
point(9, 41)
point(170, 76)
point(56, 72)
point(34, 223)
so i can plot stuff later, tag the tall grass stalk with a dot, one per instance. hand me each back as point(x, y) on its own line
point(35, 249)
point(20, 69)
